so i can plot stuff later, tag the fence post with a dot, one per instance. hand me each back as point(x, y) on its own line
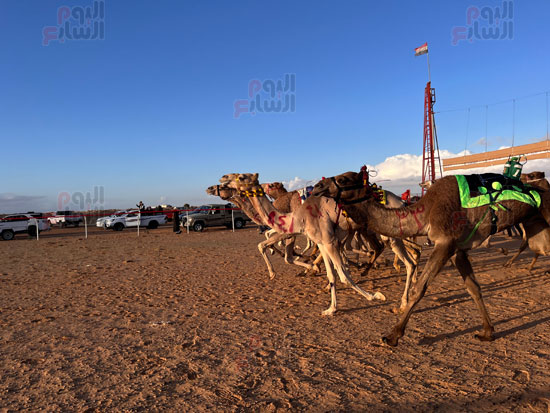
point(233, 218)
point(85, 226)
point(187, 220)
point(139, 221)
point(37, 228)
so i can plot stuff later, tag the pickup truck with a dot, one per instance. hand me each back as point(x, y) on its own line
point(65, 218)
point(130, 219)
point(22, 224)
point(213, 215)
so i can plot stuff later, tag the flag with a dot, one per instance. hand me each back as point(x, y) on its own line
point(421, 50)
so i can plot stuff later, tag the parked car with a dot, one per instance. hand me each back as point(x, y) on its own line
point(214, 215)
point(100, 222)
point(131, 219)
point(65, 218)
point(22, 224)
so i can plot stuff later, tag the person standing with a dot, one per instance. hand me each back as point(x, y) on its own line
point(176, 222)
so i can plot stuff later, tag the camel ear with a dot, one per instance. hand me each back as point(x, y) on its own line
point(255, 176)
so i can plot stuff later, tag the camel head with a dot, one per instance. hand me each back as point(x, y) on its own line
point(348, 186)
point(532, 176)
point(241, 182)
point(536, 179)
point(274, 188)
point(223, 191)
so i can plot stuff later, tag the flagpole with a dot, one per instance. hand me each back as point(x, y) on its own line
point(429, 73)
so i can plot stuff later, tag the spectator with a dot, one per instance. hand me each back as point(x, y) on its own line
point(176, 222)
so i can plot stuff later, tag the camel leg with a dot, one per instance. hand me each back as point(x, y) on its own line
point(396, 265)
point(465, 269)
point(533, 262)
point(316, 269)
point(266, 259)
point(440, 255)
point(376, 247)
point(398, 247)
point(486, 243)
point(516, 255)
point(330, 275)
point(343, 273)
point(262, 246)
point(272, 249)
point(290, 258)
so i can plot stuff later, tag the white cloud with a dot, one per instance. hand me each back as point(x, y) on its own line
point(298, 183)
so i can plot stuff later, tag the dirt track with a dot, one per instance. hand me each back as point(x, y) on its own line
point(192, 322)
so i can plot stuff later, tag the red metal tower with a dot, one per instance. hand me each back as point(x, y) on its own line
point(430, 153)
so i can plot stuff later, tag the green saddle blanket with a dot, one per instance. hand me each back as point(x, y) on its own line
point(490, 189)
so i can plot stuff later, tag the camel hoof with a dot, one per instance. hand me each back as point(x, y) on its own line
point(329, 311)
point(380, 296)
point(504, 251)
point(390, 341)
point(508, 264)
point(485, 337)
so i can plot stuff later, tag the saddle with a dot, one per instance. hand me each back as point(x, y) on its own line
point(489, 189)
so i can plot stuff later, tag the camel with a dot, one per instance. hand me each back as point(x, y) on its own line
point(285, 202)
point(316, 218)
point(536, 231)
point(439, 214)
point(537, 179)
point(231, 194)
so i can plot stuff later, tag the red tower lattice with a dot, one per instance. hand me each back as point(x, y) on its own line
point(430, 153)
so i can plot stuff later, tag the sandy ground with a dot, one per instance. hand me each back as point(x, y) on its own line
point(192, 322)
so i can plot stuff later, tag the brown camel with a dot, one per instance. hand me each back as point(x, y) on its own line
point(231, 194)
point(536, 231)
point(439, 214)
point(537, 179)
point(316, 218)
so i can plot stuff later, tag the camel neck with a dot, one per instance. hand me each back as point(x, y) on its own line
point(284, 223)
point(247, 208)
point(393, 222)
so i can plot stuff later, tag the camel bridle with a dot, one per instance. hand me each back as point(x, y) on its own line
point(353, 187)
point(253, 193)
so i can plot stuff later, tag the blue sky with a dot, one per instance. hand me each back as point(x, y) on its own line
point(147, 113)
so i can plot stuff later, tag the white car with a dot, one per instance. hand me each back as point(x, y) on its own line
point(65, 218)
point(100, 222)
point(22, 223)
point(131, 219)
